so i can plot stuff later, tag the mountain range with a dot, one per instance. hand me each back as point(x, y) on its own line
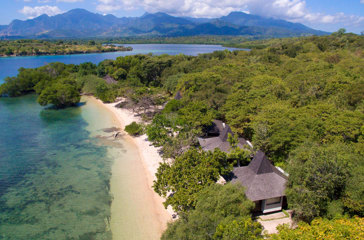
point(80, 23)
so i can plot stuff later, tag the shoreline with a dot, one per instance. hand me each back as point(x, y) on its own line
point(149, 159)
point(62, 54)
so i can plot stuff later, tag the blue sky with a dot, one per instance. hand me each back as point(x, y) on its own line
point(328, 15)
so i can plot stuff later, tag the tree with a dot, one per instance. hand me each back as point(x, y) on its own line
point(239, 228)
point(120, 74)
point(60, 94)
point(158, 131)
point(341, 31)
point(181, 181)
point(346, 228)
point(195, 116)
point(91, 43)
point(104, 92)
point(87, 68)
point(220, 212)
point(318, 175)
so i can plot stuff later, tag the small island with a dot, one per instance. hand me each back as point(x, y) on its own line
point(14, 48)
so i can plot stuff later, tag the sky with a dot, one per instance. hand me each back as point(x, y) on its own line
point(327, 15)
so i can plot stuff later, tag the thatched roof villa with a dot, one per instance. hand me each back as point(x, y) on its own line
point(178, 96)
point(264, 184)
point(217, 137)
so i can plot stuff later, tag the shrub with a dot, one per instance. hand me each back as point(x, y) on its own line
point(134, 129)
point(345, 228)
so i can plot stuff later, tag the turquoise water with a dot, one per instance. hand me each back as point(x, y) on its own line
point(54, 178)
point(9, 65)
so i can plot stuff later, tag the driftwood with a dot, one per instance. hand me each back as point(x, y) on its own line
point(117, 134)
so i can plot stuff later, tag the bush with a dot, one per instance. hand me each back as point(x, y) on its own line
point(134, 129)
point(345, 228)
point(105, 92)
point(89, 83)
point(188, 175)
point(60, 94)
point(172, 106)
point(239, 228)
point(222, 212)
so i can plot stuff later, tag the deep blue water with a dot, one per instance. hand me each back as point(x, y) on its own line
point(9, 65)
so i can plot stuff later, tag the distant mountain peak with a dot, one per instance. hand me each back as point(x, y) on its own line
point(237, 13)
point(80, 23)
point(79, 10)
point(41, 17)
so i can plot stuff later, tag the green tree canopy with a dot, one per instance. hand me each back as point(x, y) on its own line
point(181, 181)
point(60, 94)
point(318, 176)
point(222, 212)
point(345, 229)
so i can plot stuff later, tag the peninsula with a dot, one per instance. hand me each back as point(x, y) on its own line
point(43, 47)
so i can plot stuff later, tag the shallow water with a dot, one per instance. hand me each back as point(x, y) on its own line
point(136, 212)
point(55, 175)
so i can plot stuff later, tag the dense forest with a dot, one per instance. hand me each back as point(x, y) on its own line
point(61, 47)
point(300, 100)
point(200, 39)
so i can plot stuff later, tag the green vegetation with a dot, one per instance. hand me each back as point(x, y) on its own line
point(208, 39)
point(54, 83)
point(319, 175)
point(221, 212)
point(188, 175)
point(63, 93)
point(299, 100)
point(44, 47)
point(324, 229)
point(134, 129)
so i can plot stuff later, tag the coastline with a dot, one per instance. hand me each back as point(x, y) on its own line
point(63, 54)
point(149, 160)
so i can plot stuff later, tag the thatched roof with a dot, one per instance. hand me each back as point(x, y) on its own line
point(178, 96)
point(221, 132)
point(260, 178)
point(109, 79)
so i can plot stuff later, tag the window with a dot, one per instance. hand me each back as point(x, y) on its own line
point(272, 201)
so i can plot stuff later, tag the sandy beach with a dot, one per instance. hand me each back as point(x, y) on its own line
point(143, 172)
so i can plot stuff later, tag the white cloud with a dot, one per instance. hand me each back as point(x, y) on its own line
point(70, 1)
point(32, 12)
point(291, 10)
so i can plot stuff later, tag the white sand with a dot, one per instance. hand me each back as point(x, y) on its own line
point(149, 165)
point(148, 152)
